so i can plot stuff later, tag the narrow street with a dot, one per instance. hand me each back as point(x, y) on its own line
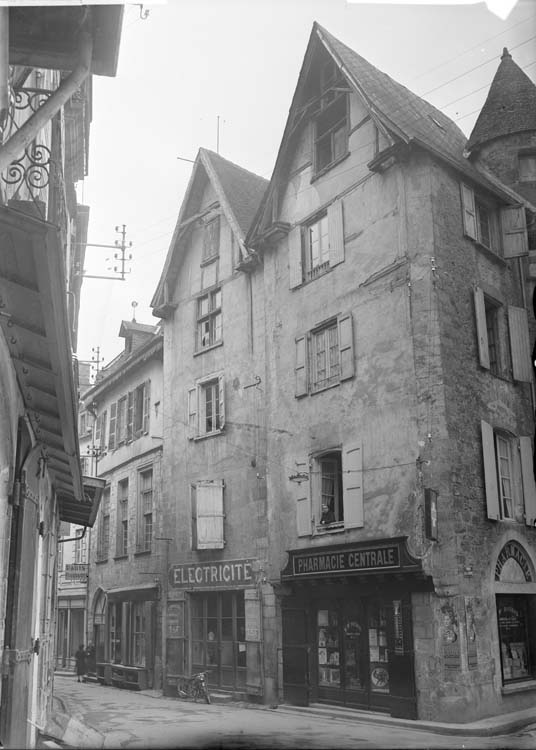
point(124, 719)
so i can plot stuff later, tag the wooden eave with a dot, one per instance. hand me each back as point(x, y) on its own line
point(47, 37)
point(35, 325)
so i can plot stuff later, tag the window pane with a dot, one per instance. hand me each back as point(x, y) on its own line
point(513, 636)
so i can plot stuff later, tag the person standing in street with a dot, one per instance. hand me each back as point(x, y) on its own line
point(80, 658)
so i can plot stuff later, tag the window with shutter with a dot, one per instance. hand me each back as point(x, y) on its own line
point(480, 219)
point(209, 516)
point(514, 232)
point(113, 422)
point(325, 357)
point(508, 476)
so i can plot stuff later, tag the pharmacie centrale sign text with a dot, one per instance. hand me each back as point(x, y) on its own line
point(210, 574)
point(346, 561)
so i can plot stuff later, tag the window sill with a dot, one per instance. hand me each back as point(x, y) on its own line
point(101, 561)
point(492, 255)
point(207, 435)
point(142, 552)
point(330, 166)
point(121, 557)
point(523, 686)
point(208, 348)
point(323, 388)
point(331, 528)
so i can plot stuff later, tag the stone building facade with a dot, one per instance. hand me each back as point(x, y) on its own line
point(125, 552)
point(371, 351)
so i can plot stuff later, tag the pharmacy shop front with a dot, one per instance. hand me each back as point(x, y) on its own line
point(347, 626)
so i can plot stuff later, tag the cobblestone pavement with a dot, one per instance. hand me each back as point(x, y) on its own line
point(124, 719)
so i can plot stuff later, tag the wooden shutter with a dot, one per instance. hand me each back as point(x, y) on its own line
point(514, 232)
point(352, 485)
point(295, 257)
point(221, 396)
point(98, 430)
point(209, 515)
point(346, 346)
point(192, 413)
point(146, 405)
point(300, 367)
point(113, 420)
point(130, 414)
point(302, 494)
point(103, 429)
point(490, 471)
point(520, 344)
point(481, 328)
point(193, 504)
point(527, 474)
point(336, 233)
point(468, 211)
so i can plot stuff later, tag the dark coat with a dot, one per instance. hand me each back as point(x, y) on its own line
point(80, 657)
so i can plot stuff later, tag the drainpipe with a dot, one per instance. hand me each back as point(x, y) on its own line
point(20, 140)
point(4, 69)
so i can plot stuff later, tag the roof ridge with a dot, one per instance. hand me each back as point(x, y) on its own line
point(211, 154)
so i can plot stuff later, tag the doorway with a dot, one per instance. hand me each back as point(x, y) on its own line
point(218, 637)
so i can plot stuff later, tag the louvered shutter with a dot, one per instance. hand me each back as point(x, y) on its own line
point(336, 233)
point(98, 430)
point(192, 413)
point(193, 504)
point(302, 494)
point(481, 328)
point(209, 514)
point(490, 471)
point(468, 211)
point(130, 414)
point(113, 421)
point(352, 485)
point(295, 257)
point(527, 474)
point(146, 405)
point(300, 367)
point(221, 396)
point(346, 346)
point(520, 344)
point(514, 232)
point(103, 429)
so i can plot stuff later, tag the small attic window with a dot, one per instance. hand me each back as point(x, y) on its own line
point(211, 239)
point(527, 165)
point(331, 134)
point(436, 122)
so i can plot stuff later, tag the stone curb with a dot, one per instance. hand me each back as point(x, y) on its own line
point(483, 728)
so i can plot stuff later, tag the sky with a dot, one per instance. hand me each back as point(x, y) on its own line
point(191, 62)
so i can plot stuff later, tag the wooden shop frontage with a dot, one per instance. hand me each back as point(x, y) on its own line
point(347, 626)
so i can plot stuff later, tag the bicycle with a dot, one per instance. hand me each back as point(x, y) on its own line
point(194, 687)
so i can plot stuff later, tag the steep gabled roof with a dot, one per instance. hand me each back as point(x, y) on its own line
point(405, 116)
point(239, 193)
point(510, 106)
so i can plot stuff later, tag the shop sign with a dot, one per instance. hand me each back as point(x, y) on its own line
point(352, 560)
point(76, 572)
point(224, 573)
point(513, 550)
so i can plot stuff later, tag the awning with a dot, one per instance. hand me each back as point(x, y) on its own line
point(35, 324)
point(83, 513)
point(141, 592)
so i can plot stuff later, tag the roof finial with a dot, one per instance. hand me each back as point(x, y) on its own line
point(505, 53)
point(134, 306)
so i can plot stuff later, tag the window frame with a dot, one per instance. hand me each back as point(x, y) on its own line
point(146, 519)
point(530, 156)
point(211, 240)
point(210, 317)
point(306, 361)
point(527, 604)
point(211, 522)
point(312, 269)
point(323, 511)
point(122, 517)
point(334, 125)
point(196, 410)
point(103, 539)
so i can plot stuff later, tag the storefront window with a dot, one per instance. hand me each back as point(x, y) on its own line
point(377, 632)
point(329, 673)
point(513, 619)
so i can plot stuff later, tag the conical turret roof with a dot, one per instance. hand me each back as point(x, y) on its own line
point(510, 106)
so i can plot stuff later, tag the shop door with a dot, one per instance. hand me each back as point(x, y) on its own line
point(296, 651)
point(219, 637)
point(359, 661)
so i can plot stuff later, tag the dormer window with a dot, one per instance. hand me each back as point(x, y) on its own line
point(527, 166)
